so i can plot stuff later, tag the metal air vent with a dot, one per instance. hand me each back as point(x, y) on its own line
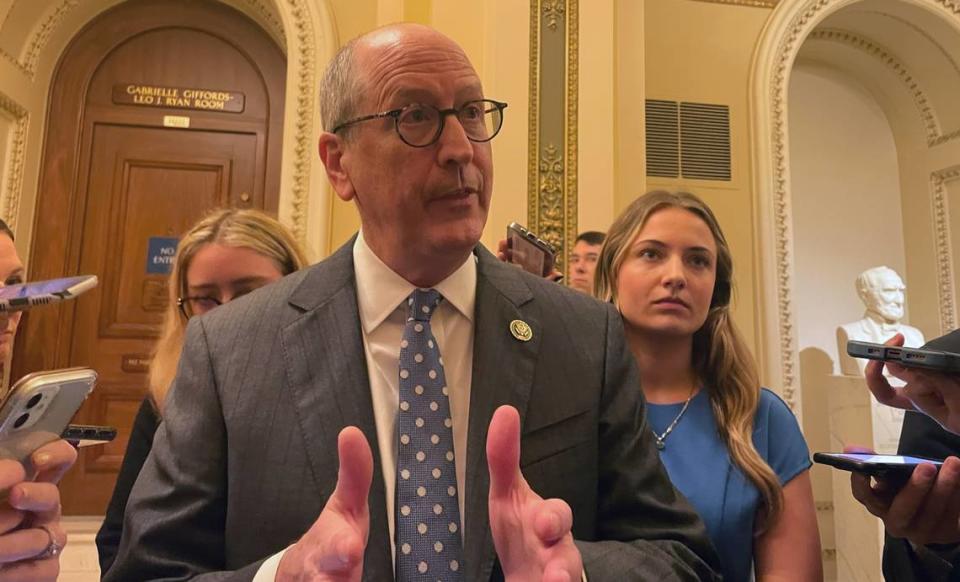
point(663, 133)
point(688, 140)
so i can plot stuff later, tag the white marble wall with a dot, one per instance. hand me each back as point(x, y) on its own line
point(79, 563)
point(857, 419)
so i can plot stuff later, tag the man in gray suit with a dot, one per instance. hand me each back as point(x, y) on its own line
point(306, 398)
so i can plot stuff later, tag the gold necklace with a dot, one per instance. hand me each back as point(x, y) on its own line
point(661, 438)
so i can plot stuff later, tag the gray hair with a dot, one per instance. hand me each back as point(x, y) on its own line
point(339, 88)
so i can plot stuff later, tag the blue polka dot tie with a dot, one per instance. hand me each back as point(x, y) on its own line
point(428, 515)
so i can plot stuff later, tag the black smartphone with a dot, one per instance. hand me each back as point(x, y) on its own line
point(883, 466)
point(529, 251)
point(910, 357)
point(86, 435)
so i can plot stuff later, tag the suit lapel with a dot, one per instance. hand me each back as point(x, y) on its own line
point(503, 370)
point(327, 373)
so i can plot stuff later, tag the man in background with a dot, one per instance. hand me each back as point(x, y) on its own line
point(583, 260)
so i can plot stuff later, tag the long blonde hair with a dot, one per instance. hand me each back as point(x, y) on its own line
point(230, 227)
point(719, 351)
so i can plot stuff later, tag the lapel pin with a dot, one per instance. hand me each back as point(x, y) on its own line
point(521, 330)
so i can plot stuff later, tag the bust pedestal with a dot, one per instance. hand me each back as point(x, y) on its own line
point(857, 419)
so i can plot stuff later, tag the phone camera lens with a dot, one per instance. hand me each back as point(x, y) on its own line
point(22, 420)
point(33, 401)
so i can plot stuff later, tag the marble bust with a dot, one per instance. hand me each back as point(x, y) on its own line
point(881, 290)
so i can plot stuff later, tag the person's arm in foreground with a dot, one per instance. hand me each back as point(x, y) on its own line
point(790, 549)
point(31, 537)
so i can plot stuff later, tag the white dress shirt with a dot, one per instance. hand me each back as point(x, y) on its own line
point(382, 302)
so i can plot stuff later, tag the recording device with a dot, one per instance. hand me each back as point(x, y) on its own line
point(27, 295)
point(909, 357)
point(38, 408)
point(883, 466)
point(87, 435)
point(529, 251)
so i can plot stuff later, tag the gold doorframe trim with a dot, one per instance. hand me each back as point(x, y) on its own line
point(552, 132)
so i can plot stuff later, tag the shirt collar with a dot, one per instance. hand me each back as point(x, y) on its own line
point(380, 290)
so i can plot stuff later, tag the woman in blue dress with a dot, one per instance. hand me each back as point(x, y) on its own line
point(732, 448)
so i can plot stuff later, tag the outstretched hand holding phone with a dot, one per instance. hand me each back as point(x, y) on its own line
point(924, 508)
point(936, 394)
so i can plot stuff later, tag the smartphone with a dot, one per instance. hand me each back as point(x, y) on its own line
point(910, 357)
point(38, 408)
point(884, 466)
point(86, 435)
point(26, 295)
point(529, 251)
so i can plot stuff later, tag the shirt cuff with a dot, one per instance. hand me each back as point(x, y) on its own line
point(268, 569)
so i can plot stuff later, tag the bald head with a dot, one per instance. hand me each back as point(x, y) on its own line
point(364, 61)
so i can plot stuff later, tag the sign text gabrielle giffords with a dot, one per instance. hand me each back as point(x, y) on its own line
point(178, 97)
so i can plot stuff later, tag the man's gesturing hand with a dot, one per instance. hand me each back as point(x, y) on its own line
point(531, 534)
point(332, 550)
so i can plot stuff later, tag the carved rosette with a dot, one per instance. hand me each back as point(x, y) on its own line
point(552, 135)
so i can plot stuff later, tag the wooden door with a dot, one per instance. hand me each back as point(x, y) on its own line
point(121, 177)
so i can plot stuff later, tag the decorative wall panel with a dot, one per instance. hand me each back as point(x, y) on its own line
point(552, 163)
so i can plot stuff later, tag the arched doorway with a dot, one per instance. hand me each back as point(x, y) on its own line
point(856, 159)
point(158, 111)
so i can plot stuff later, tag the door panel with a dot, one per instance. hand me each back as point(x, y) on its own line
point(143, 183)
point(115, 173)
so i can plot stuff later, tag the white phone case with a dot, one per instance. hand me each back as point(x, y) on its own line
point(38, 408)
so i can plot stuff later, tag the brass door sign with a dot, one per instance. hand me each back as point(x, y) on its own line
point(178, 97)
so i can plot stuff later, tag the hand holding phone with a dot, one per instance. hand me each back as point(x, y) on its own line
point(530, 252)
point(872, 464)
point(922, 505)
point(936, 360)
point(37, 410)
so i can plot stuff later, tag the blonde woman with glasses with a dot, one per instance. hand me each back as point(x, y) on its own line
point(226, 255)
point(731, 447)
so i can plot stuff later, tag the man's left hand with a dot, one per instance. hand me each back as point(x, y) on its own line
point(531, 534)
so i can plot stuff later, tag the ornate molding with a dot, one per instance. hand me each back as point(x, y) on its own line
point(787, 28)
point(552, 168)
point(944, 250)
point(933, 42)
point(13, 187)
point(572, 134)
point(550, 194)
point(750, 3)
point(928, 115)
point(303, 136)
point(553, 13)
point(266, 17)
point(533, 123)
point(27, 61)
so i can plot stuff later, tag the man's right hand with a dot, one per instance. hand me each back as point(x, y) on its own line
point(936, 394)
point(332, 550)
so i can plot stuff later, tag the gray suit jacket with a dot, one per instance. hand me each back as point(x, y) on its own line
point(246, 457)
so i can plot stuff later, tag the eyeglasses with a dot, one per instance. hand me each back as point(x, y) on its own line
point(420, 125)
point(190, 306)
